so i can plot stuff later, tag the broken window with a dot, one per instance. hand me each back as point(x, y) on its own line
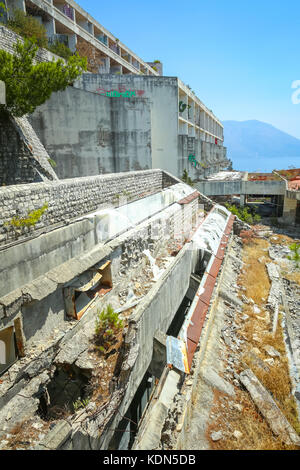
point(8, 350)
point(84, 290)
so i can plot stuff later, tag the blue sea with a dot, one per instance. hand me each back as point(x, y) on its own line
point(265, 165)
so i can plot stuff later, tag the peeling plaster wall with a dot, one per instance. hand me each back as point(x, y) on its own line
point(89, 134)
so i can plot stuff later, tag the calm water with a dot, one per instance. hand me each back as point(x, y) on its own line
point(265, 165)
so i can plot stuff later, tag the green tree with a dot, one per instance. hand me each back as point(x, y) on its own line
point(29, 85)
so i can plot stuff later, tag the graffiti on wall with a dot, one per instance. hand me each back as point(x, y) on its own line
point(120, 92)
point(182, 106)
point(195, 162)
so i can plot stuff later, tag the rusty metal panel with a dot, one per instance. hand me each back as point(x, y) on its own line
point(188, 198)
point(177, 354)
point(215, 267)
point(197, 320)
point(208, 289)
point(191, 348)
point(221, 252)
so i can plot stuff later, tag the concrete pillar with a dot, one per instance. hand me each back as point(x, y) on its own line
point(50, 27)
point(2, 93)
point(289, 211)
point(242, 200)
point(73, 42)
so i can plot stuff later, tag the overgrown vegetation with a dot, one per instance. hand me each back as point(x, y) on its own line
point(60, 49)
point(28, 27)
point(31, 220)
point(29, 85)
point(294, 248)
point(107, 326)
point(186, 178)
point(243, 213)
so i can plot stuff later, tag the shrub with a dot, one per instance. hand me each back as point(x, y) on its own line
point(107, 326)
point(28, 27)
point(243, 213)
point(32, 218)
point(294, 248)
point(60, 49)
point(186, 179)
point(29, 85)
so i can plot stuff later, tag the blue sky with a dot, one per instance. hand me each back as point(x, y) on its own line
point(240, 57)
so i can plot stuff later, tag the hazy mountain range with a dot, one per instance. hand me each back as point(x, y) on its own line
point(256, 145)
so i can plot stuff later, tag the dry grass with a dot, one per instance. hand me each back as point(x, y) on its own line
point(256, 433)
point(294, 277)
point(254, 276)
point(24, 435)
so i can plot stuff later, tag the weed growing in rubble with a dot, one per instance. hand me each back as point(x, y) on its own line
point(107, 325)
point(294, 248)
point(80, 404)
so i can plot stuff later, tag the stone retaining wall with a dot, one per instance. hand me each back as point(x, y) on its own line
point(71, 198)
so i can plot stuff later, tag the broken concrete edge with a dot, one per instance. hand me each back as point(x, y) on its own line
point(195, 373)
point(46, 284)
point(185, 416)
point(56, 437)
point(278, 423)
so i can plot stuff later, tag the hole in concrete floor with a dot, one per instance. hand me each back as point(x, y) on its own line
point(65, 394)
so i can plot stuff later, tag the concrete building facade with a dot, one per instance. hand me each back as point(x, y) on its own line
point(129, 123)
point(185, 134)
point(68, 23)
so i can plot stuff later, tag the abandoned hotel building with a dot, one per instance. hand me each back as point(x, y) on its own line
point(118, 228)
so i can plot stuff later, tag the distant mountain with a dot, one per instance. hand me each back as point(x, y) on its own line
point(256, 145)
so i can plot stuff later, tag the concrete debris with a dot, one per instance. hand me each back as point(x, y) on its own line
point(268, 408)
point(237, 434)
point(56, 437)
point(216, 436)
point(256, 309)
point(257, 361)
point(271, 351)
point(72, 349)
point(213, 379)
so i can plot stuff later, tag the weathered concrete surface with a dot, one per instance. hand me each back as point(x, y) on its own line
point(222, 188)
point(56, 437)
point(112, 135)
point(23, 405)
point(212, 378)
point(268, 408)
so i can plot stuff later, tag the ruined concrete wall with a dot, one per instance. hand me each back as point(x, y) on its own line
point(190, 146)
point(88, 134)
point(69, 199)
point(162, 92)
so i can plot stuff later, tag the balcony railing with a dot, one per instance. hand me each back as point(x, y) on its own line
point(101, 38)
point(68, 11)
point(62, 38)
point(114, 48)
